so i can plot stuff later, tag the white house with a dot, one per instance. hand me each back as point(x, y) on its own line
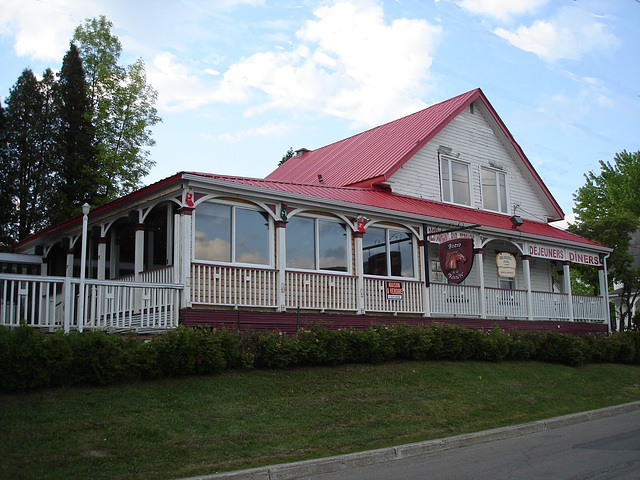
point(437, 216)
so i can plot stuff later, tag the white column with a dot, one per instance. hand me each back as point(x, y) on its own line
point(185, 242)
point(139, 251)
point(281, 259)
point(567, 288)
point(359, 272)
point(102, 258)
point(527, 278)
point(425, 268)
point(604, 293)
point(69, 266)
point(177, 259)
point(482, 300)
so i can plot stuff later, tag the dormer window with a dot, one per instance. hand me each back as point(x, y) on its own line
point(456, 187)
point(494, 190)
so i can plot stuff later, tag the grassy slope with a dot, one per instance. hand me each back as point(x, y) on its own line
point(187, 427)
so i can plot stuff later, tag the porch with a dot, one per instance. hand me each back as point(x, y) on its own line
point(154, 301)
point(237, 287)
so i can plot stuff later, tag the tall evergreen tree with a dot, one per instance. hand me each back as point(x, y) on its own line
point(7, 209)
point(28, 161)
point(78, 178)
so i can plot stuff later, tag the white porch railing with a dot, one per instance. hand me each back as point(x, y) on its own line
point(550, 306)
point(320, 291)
point(588, 309)
point(502, 303)
point(52, 303)
point(376, 300)
point(455, 300)
point(233, 286)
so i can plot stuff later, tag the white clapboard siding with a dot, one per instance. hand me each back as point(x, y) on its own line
point(472, 140)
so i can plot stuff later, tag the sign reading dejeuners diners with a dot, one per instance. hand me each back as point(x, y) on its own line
point(563, 254)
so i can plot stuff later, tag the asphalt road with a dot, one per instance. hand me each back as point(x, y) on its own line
point(599, 444)
point(604, 448)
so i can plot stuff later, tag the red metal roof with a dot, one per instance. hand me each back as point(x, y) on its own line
point(381, 199)
point(374, 155)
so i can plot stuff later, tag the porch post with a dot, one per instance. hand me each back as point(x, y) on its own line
point(426, 300)
point(69, 266)
point(177, 259)
point(186, 213)
point(604, 293)
point(102, 257)
point(527, 278)
point(479, 252)
point(567, 288)
point(139, 251)
point(281, 259)
point(359, 272)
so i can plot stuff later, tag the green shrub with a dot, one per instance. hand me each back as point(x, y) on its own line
point(564, 349)
point(188, 351)
point(318, 345)
point(24, 359)
point(272, 350)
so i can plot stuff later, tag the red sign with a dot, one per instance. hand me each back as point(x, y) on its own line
point(456, 259)
point(394, 291)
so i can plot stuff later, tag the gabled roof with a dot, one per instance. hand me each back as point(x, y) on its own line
point(373, 156)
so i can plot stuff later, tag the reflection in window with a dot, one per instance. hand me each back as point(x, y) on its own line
point(316, 244)
point(494, 190)
point(387, 252)
point(455, 181)
point(226, 233)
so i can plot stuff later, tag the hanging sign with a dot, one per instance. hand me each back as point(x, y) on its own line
point(506, 263)
point(456, 259)
point(394, 291)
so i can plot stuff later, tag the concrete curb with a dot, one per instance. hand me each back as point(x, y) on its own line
point(305, 468)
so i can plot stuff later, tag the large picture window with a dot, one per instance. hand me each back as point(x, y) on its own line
point(455, 181)
point(229, 233)
point(494, 190)
point(316, 244)
point(387, 252)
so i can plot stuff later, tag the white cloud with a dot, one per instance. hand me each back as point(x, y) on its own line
point(502, 9)
point(36, 33)
point(571, 34)
point(349, 62)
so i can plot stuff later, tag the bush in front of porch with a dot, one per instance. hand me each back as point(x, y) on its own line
point(33, 359)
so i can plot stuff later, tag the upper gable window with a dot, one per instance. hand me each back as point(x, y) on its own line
point(455, 181)
point(494, 190)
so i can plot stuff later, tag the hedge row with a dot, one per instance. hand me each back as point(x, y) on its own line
point(31, 359)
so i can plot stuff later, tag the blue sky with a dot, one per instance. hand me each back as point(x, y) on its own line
point(241, 81)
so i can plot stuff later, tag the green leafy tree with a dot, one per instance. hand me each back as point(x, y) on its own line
point(78, 178)
point(607, 211)
point(122, 104)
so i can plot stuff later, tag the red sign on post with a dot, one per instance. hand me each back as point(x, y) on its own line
point(456, 259)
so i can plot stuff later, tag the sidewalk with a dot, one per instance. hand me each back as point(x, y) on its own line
point(291, 471)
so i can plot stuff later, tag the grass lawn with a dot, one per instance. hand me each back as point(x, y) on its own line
point(196, 426)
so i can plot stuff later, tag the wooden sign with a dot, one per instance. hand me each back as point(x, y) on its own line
point(456, 259)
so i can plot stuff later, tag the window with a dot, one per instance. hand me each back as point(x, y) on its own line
point(228, 233)
point(506, 283)
point(387, 252)
point(494, 190)
point(316, 244)
point(455, 181)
